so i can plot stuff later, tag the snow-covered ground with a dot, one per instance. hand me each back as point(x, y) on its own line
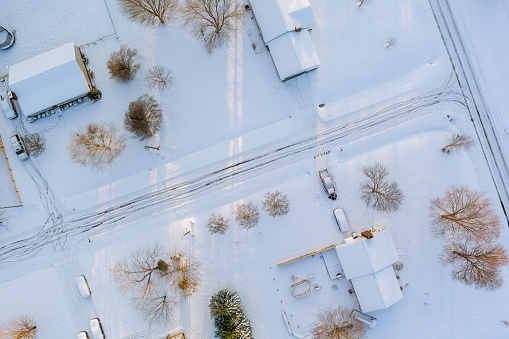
point(226, 107)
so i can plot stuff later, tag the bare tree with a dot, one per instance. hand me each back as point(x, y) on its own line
point(156, 309)
point(377, 191)
point(337, 323)
point(159, 77)
point(35, 144)
point(148, 12)
point(155, 280)
point(392, 42)
point(97, 145)
point(144, 272)
point(466, 214)
point(477, 264)
point(121, 64)
point(143, 117)
point(214, 20)
point(457, 141)
point(20, 327)
point(247, 215)
point(218, 224)
point(361, 3)
point(276, 204)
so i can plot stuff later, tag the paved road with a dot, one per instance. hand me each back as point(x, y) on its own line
point(187, 187)
point(474, 100)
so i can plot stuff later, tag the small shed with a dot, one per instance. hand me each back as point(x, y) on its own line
point(368, 264)
point(293, 54)
point(276, 17)
point(49, 79)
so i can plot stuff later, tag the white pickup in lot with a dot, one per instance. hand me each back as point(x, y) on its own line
point(341, 220)
point(19, 147)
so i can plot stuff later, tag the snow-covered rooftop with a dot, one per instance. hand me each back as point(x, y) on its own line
point(367, 256)
point(47, 79)
point(377, 291)
point(368, 264)
point(293, 53)
point(276, 17)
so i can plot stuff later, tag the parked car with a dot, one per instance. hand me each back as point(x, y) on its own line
point(6, 38)
point(8, 106)
point(97, 329)
point(82, 283)
point(340, 216)
point(19, 147)
point(328, 183)
point(82, 335)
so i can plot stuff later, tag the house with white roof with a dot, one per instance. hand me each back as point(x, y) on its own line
point(49, 80)
point(276, 17)
point(368, 264)
point(285, 26)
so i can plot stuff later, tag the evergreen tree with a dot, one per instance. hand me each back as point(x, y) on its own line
point(229, 318)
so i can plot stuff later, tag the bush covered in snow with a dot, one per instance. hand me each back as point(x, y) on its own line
point(143, 117)
point(121, 64)
point(35, 144)
point(276, 204)
point(218, 224)
point(247, 215)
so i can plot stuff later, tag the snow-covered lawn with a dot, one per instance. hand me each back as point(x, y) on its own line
point(246, 261)
point(220, 107)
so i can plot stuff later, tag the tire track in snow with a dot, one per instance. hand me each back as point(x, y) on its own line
point(479, 111)
point(185, 188)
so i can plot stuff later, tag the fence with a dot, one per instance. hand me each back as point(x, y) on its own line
point(2, 149)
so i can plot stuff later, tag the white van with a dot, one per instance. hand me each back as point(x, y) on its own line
point(82, 283)
point(97, 329)
point(82, 335)
point(341, 220)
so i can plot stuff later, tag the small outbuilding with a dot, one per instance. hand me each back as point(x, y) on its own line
point(368, 264)
point(49, 80)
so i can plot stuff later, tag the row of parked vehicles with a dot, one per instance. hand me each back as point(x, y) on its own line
point(9, 107)
point(95, 324)
point(330, 189)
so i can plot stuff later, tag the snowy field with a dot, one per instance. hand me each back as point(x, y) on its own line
point(230, 106)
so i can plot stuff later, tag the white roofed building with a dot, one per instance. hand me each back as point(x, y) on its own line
point(368, 264)
point(49, 79)
point(276, 17)
point(285, 26)
point(293, 54)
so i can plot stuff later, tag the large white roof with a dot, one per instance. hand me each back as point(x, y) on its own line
point(47, 79)
point(276, 17)
point(377, 291)
point(293, 53)
point(367, 256)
